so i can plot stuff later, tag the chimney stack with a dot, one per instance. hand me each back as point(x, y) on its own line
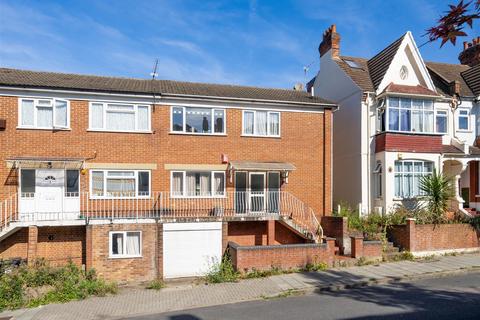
point(471, 53)
point(331, 41)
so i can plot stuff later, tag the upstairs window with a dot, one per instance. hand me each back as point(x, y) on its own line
point(410, 115)
point(463, 119)
point(44, 114)
point(198, 120)
point(261, 123)
point(198, 184)
point(120, 184)
point(441, 121)
point(119, 117)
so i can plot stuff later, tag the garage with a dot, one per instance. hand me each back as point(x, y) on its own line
point(189, 249)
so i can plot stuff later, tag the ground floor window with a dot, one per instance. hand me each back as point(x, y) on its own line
point(125, 244)
point(198, 183)
point(408, 174)
point(378, 179)
point(119, 183)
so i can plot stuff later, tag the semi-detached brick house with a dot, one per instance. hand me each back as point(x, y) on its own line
point(146, 178)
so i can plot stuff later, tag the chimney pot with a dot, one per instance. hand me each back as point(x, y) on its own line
point(471, 53)
point(465, 45)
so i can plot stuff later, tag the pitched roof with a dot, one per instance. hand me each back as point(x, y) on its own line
point(360, 76)
point(418, 90)
point(379, 64)
point(472, 77)
point(78, 82)
point(444, 73)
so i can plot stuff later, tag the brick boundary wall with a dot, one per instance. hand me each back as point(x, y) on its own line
point(285, 257)
point(337, 227)
point(428, 237)
point(368, 249)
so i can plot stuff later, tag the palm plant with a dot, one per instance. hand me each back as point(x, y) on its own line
point(438, 190)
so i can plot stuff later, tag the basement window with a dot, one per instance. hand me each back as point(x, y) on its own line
point(125, 244)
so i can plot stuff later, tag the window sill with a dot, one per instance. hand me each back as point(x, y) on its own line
point(198, 197)
point(44, 129)
point(198, 134)
point(259, 136)
point(464, 131)
point(119, 131)
point(413, 132)
point(124, 257)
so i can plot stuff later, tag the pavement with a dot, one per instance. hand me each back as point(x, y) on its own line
point(442, 298)
point(138, 302)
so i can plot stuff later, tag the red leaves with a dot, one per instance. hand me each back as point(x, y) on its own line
point(451, 25)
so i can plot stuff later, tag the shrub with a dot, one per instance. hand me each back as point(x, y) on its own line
point(438, 191)
point(223, 271)
point(316, 266)
point(254, 273)
point(41, 284)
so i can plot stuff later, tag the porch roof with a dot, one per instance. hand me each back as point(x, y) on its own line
point(261, 166)
point(452, 150)
point(45, 162)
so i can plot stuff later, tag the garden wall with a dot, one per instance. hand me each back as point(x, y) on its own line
point(370, 250)
point(428, 237)
point(284, 257)
point(337, 227)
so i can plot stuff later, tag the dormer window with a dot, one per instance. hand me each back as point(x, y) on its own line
point(410, 115)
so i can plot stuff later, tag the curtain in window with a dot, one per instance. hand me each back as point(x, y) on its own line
point(177, 183)
point(133, 243)
point(404, 120)
point(27, 112)
point(117, 239)
point(142, 118)
point(120, 120)
point(393, 120)
point(205, 184)
point(96, 115)
point(191, 185)
point(218, 183)
point(97, 183)
point(261, 123)
point(60, 113)
point(248, 122)
point(121, 187)
point(44, 117)
point(417, 120)
point(274, 124)
point(219, 119)
point(428, 121)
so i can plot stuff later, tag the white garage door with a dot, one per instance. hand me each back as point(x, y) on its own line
point(190, 249)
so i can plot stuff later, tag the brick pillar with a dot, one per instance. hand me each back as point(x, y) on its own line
point(159, 258)
point(271, 232)
point(32, 245)
point(330, 249)
point(224, 236)
point(411, 234)
point(88, 247)
point(357, 246)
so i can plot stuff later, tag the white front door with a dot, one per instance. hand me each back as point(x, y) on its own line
point(49, 185)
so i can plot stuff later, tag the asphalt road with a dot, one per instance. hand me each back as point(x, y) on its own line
point(454, 297)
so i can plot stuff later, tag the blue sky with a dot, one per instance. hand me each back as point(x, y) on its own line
point(261, 43)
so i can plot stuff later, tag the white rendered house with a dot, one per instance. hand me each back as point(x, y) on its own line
point(400, 118)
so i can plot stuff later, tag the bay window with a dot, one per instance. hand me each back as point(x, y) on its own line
point(261, 123)
point(198, 120)
point(119, 117)
point(198, 183)
point(410, 115)
point(44, 113)
point(125, 244)
point(408, 174)
point(120, 183)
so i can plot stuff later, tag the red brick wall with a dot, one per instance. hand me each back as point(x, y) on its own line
point(403, 142)
point(284, 235)
point(144, 268)
point(372, 249)
point(15, 245)
point(430, 237)
point(305, 141)
point(280, 256)
point(248, 233)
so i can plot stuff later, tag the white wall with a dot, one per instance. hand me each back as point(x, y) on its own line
point(333, 84)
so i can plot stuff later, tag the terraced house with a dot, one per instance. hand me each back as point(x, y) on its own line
point(399, 119)
point(146, 178)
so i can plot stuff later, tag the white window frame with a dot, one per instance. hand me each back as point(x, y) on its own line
point(444, 116)
point(212, 119)
point(35, 106)
point(378, 175)
point(105, 177)
point(124, 255)
point(255, 133)
point(184, 190)
point(412, 173)
point(463, 116)
point(387, 116)
point(106, 105)
point(71, 195)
